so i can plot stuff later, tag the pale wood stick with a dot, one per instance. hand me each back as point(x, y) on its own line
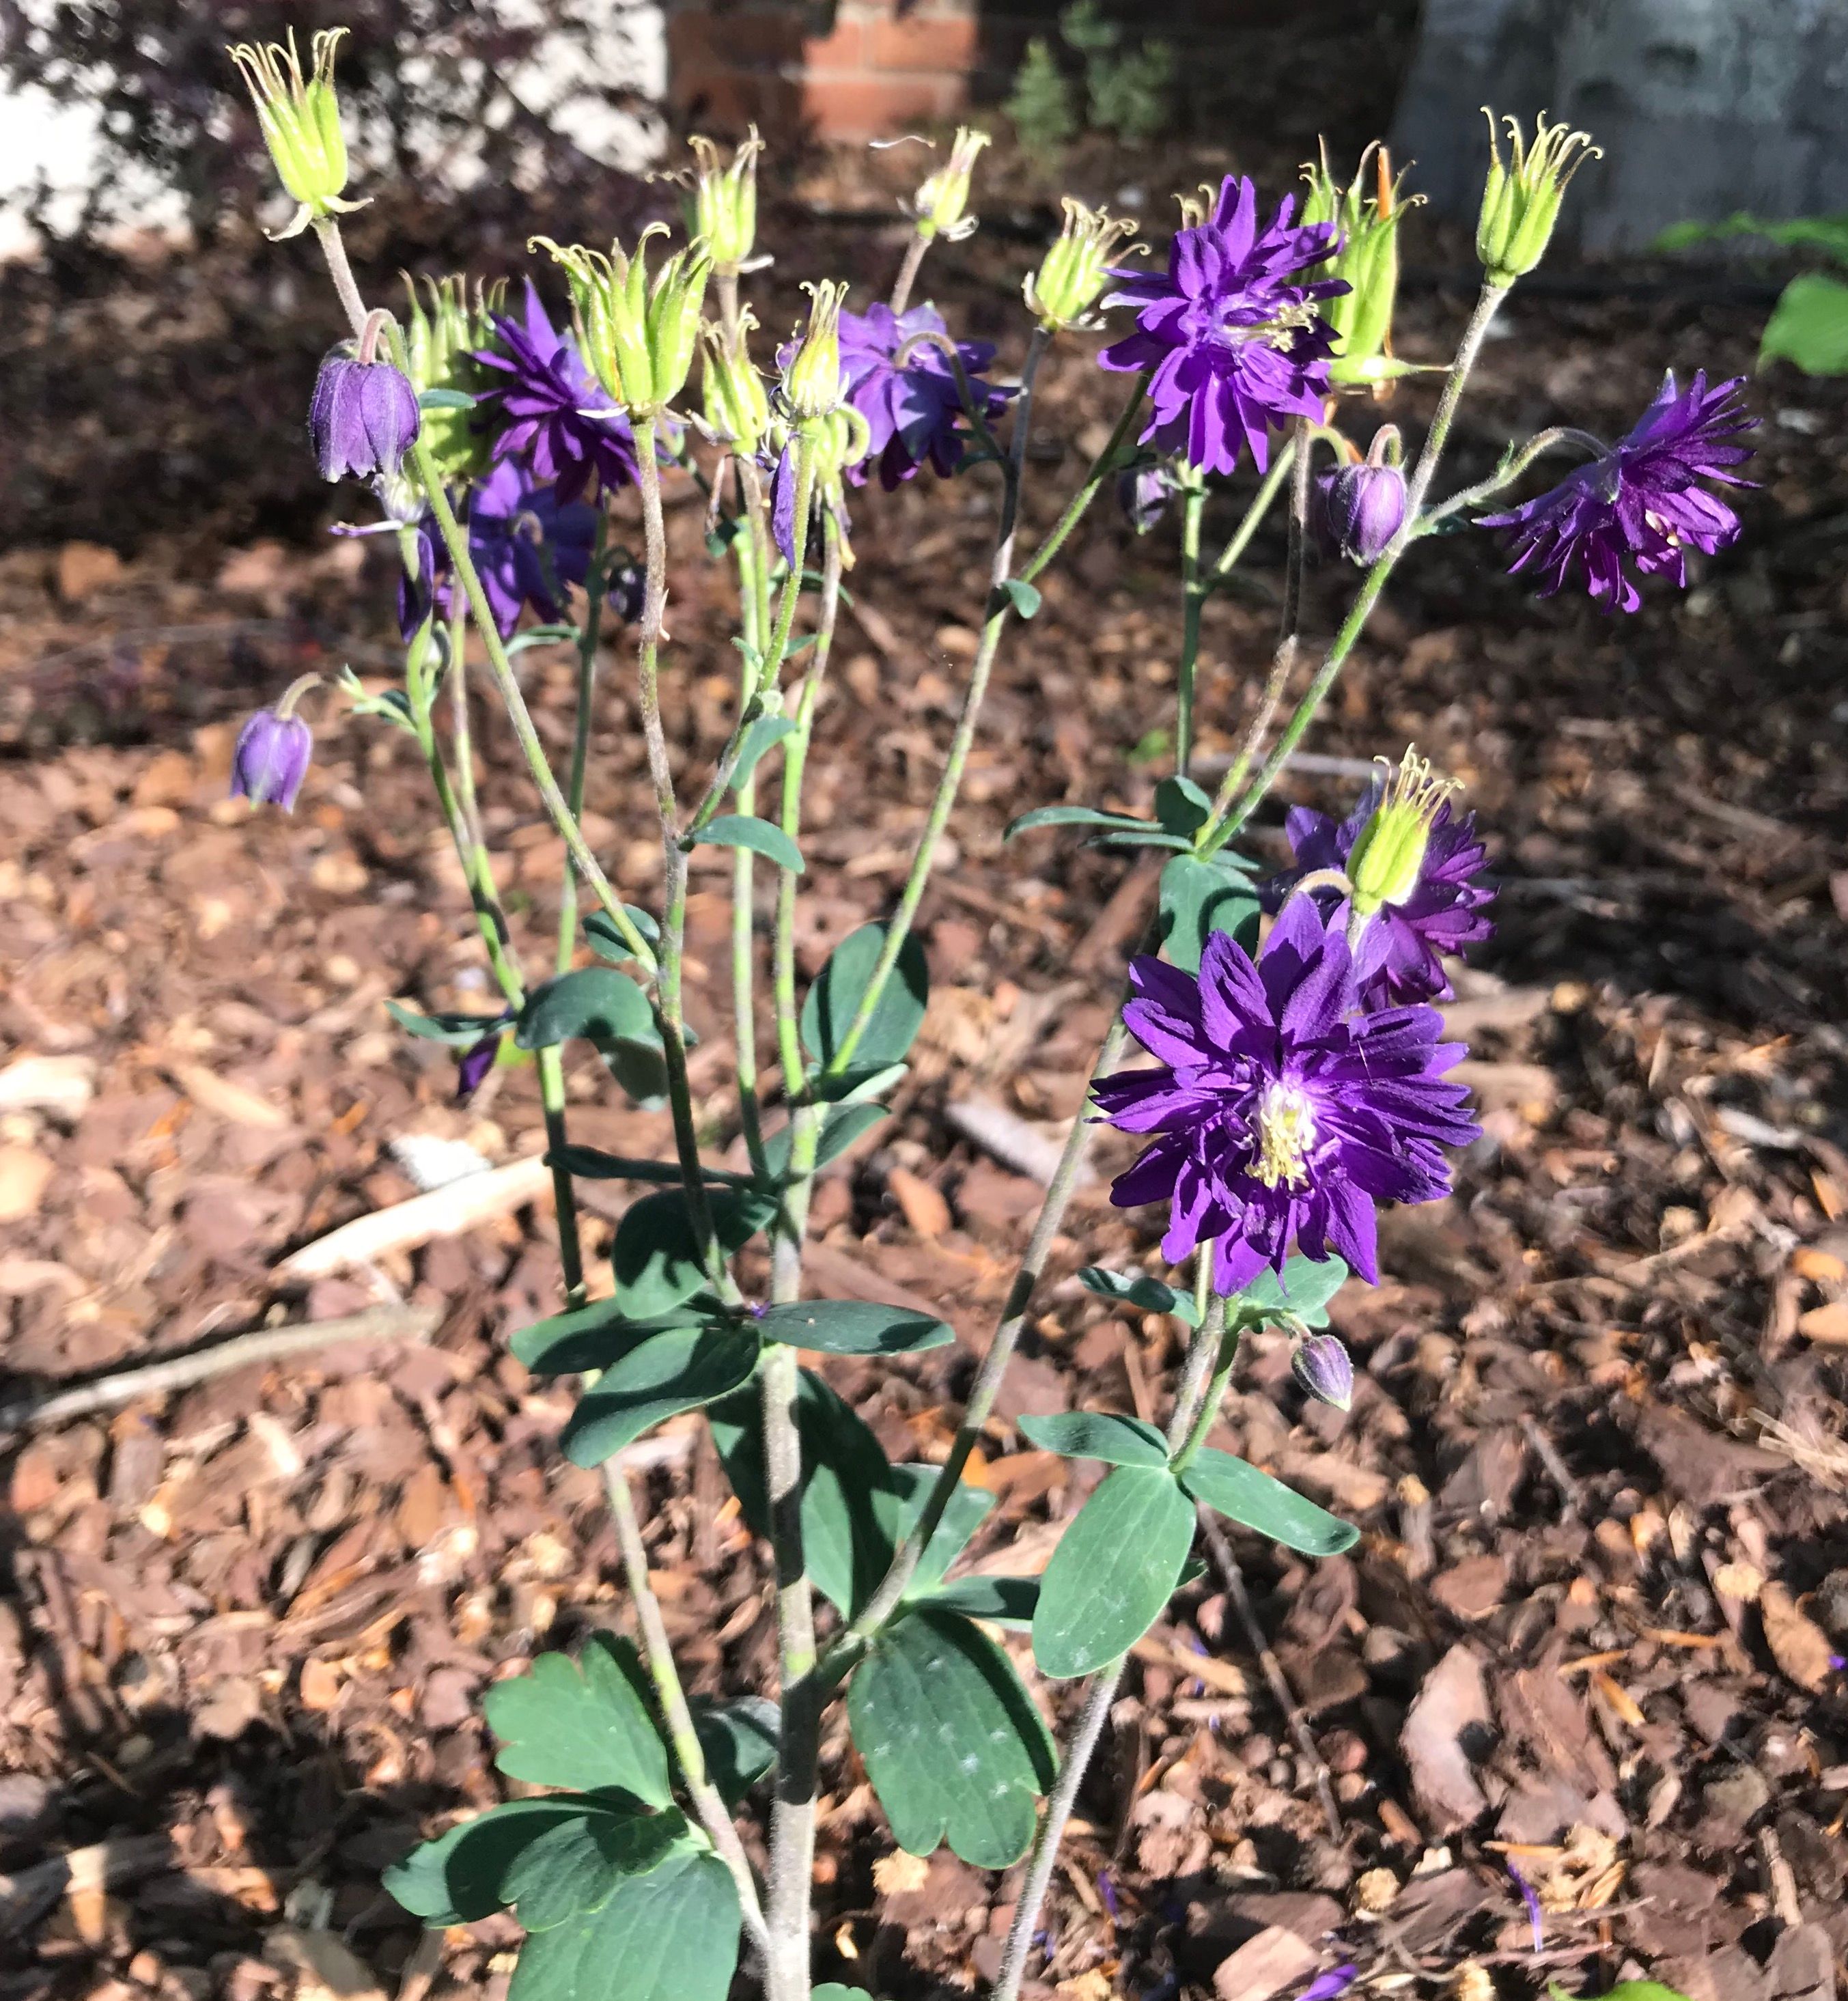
point(444, 1212)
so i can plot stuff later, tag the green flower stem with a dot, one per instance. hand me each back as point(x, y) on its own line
point(1189, 1399)
point(1228, 819)
point(1193, 598)
point(1101, 467)
point(657, 1653)
point(668, 999)
point(744, 990)
point(908, 271)
point(456, 542)
point(1234, 553)
point(803, 1692)
point(590, 635)
point(1509, 470)
point(917, 878)
point(1283, 660)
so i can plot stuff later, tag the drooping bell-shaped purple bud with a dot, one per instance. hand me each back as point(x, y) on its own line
point(473, 1065)
point(1358, 509)
point(363, 417)
point(271, 760)
point(1322, 1367)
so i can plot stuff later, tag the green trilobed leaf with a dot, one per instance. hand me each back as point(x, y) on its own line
point(1102, 1434)
point(766, 730)
point(851, 1495)
point(1002, 1600)
point(739, 1739)
point(1231, 1487)
point(656, 1256)
point(852, 1326)
point(1074, 816)
point(761, 837)
point(671, 1935)
point(833, 1991)
point(583, 1723)
point(590, 1337)
point(1182, 806)
point(458, 1878)
point(953, 1745)
point(596, 1002)
point(1114, 1568)
point(1303, 1293)
point(1137, 1289)
point(1199, 898)
point(840, 1129)
point(607, 942)
point(683, 1370)
point(831, 1003)
point(458, 1031)
point(576, 1865)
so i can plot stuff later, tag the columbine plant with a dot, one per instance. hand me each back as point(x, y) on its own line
point(1299, 1077)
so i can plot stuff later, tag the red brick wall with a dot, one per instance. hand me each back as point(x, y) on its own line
point(880, 70)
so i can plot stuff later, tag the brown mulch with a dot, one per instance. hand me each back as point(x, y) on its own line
point(1598, 1447)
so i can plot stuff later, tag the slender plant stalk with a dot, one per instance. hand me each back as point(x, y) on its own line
point(1204, 1352)
point(1193, 598)
point(802, 1688)
point(908, 271)
point(917, 878)
point(590, 637)
point(1233, 554)
point(1230, 818)
point(744, 989)
point(1283, 660)
point(657, 1652)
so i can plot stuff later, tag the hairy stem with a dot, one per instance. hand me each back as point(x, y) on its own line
point(1203, 1351)
point(744, 992)
point(657, 1653)
point(908, 271)
point(1193, 598)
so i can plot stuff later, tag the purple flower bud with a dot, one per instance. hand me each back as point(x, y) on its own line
point(627, 588)
point(1144, 494)
point(1325, 1986)
point(473, 1065)
point(363, 417)
point(1358, 509)
point(272, 758)
point(1321, 1366)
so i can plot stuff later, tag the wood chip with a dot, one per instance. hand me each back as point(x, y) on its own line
point(445, 1212)
point(1797, 1644)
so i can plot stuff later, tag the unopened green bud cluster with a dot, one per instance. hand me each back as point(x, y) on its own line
point(1072, 274)
point(445, 328)
point(1368, 224)
point(639, 332)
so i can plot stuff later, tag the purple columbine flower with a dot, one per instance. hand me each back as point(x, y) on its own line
point(1322, 1366)
point(527, 545)
point(1282, 1110)
point(473, 1065)
point(1641, 499)
point(544, 406)
point(1358, 509)
point(272, 756)
point(1231, 330)
point(1403, 948)
point(1325, 1986)
point(915, 412)
point(363, 417)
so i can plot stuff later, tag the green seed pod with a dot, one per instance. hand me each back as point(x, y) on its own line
point(737, 403)
point(299, 118)
point(443, 329)
point(638, 334)
point(1520, 201)
point(723, 209)
point(1368, 259)
point(812, 384)
point(1389, 852)
point(1074, 272)
point(941, 205)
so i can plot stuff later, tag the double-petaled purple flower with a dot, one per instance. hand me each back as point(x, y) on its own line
point(1642, 499)
point(554, 414)
point(913, 409)
point(1283, 1109)
point(527, 545)
point(1231, 330)
point(1404, 945)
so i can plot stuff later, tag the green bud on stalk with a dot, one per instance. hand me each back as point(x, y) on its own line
point(1390, 853)
point(812, 386)
point(723, 207)
point(1074, 272)
point(941, 205)
point(443, 327)
point(1520, 203)
point(737, 404)
point(1368, 259)
point(638, 333)
point(300, 117)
